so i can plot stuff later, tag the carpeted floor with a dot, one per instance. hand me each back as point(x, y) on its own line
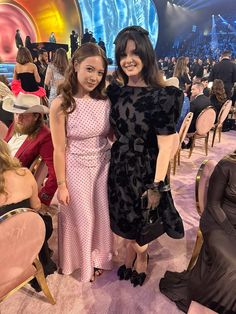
point(107, 295)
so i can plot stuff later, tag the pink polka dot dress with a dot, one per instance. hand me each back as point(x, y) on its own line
point(85, 238)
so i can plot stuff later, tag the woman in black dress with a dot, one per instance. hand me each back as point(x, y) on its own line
point(212, 281)
point(143, 116)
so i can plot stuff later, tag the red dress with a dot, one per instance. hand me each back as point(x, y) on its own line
point(27, 84)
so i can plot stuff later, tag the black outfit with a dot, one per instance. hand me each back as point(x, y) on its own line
point(196, 106)
point(225, 70)
point(18, 40)
point(28, 82)
point(138, 114)
point(42, 68)
point(207, 91)
point(216, 104)
point(5, 116)
point(73, 42)
point(86, 38)
point(49, 266)
point(212, 281)
point(184, 79)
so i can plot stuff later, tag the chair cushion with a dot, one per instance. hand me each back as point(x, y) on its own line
point(21, 238)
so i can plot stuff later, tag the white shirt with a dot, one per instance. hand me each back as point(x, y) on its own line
point(15, 142)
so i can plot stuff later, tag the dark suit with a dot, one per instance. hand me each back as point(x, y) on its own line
point(41, 145)
point(225, 70)
point(196, 106)
point(18, 40)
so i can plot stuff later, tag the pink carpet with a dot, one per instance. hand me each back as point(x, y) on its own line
point(111, 296)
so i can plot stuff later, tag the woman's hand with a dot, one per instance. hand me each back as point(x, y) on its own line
point(153, 198)
point(63, 195)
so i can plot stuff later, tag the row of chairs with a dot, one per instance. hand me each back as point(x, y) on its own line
point(204, 124)
point(20, 258)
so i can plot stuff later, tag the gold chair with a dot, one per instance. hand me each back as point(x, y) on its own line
point(204, 124)
point(201, 188)
point(182, 134)
point(223, 114)
point(3, 130)
point(39, 170)
point(22, 233)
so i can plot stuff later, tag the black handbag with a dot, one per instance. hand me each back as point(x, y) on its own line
point(152, 226)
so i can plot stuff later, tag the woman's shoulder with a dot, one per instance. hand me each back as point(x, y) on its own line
point(168, 91)
point(56, 104)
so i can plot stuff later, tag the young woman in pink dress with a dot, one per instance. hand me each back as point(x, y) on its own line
point(79, 119)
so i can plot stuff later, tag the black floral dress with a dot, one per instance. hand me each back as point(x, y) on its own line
point(138, 115)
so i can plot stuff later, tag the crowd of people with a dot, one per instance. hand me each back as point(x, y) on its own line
point(108, 149)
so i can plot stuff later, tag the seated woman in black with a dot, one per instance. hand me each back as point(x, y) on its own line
point(212, 281)
point(26, 78)
point(18, 188)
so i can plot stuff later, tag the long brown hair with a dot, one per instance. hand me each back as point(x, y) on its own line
point(6, 163)
point(150, 72)
point(70, 87)
point(23, 56)
point(181, 67)
point(219, 91)
point(60, 60)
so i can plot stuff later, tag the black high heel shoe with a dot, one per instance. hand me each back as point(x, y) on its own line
point(125, 273)
point(137, 279)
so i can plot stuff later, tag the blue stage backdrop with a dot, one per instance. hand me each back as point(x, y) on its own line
point(105, 18)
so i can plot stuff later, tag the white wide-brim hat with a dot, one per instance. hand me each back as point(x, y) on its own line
point(24, 103)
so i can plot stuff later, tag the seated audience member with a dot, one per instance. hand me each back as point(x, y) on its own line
point(28, 137)
point(173, 81)
point(42, 64)
point(218, 96)
point(26, 78)
point(212, 281)
point(19, 189)
point(198, 103)
point(206, 90)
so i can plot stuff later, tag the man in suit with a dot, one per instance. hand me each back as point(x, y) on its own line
point(198, 103)
point(28, 138)
point(73, 42)
point(225, 70)
point(18, 39)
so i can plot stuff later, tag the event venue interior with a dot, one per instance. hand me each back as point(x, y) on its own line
point(199, 30)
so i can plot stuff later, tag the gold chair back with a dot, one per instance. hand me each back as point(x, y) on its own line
point(22, 233)
point(204, 124)
point(182, 134)
point(39, 170)
point(223, 114)
point(201, 188)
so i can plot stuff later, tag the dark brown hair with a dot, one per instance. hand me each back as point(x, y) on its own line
point(60, 60)
point(23, 56)
point(150, 72)
point(219, 91)
point(70, 86)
